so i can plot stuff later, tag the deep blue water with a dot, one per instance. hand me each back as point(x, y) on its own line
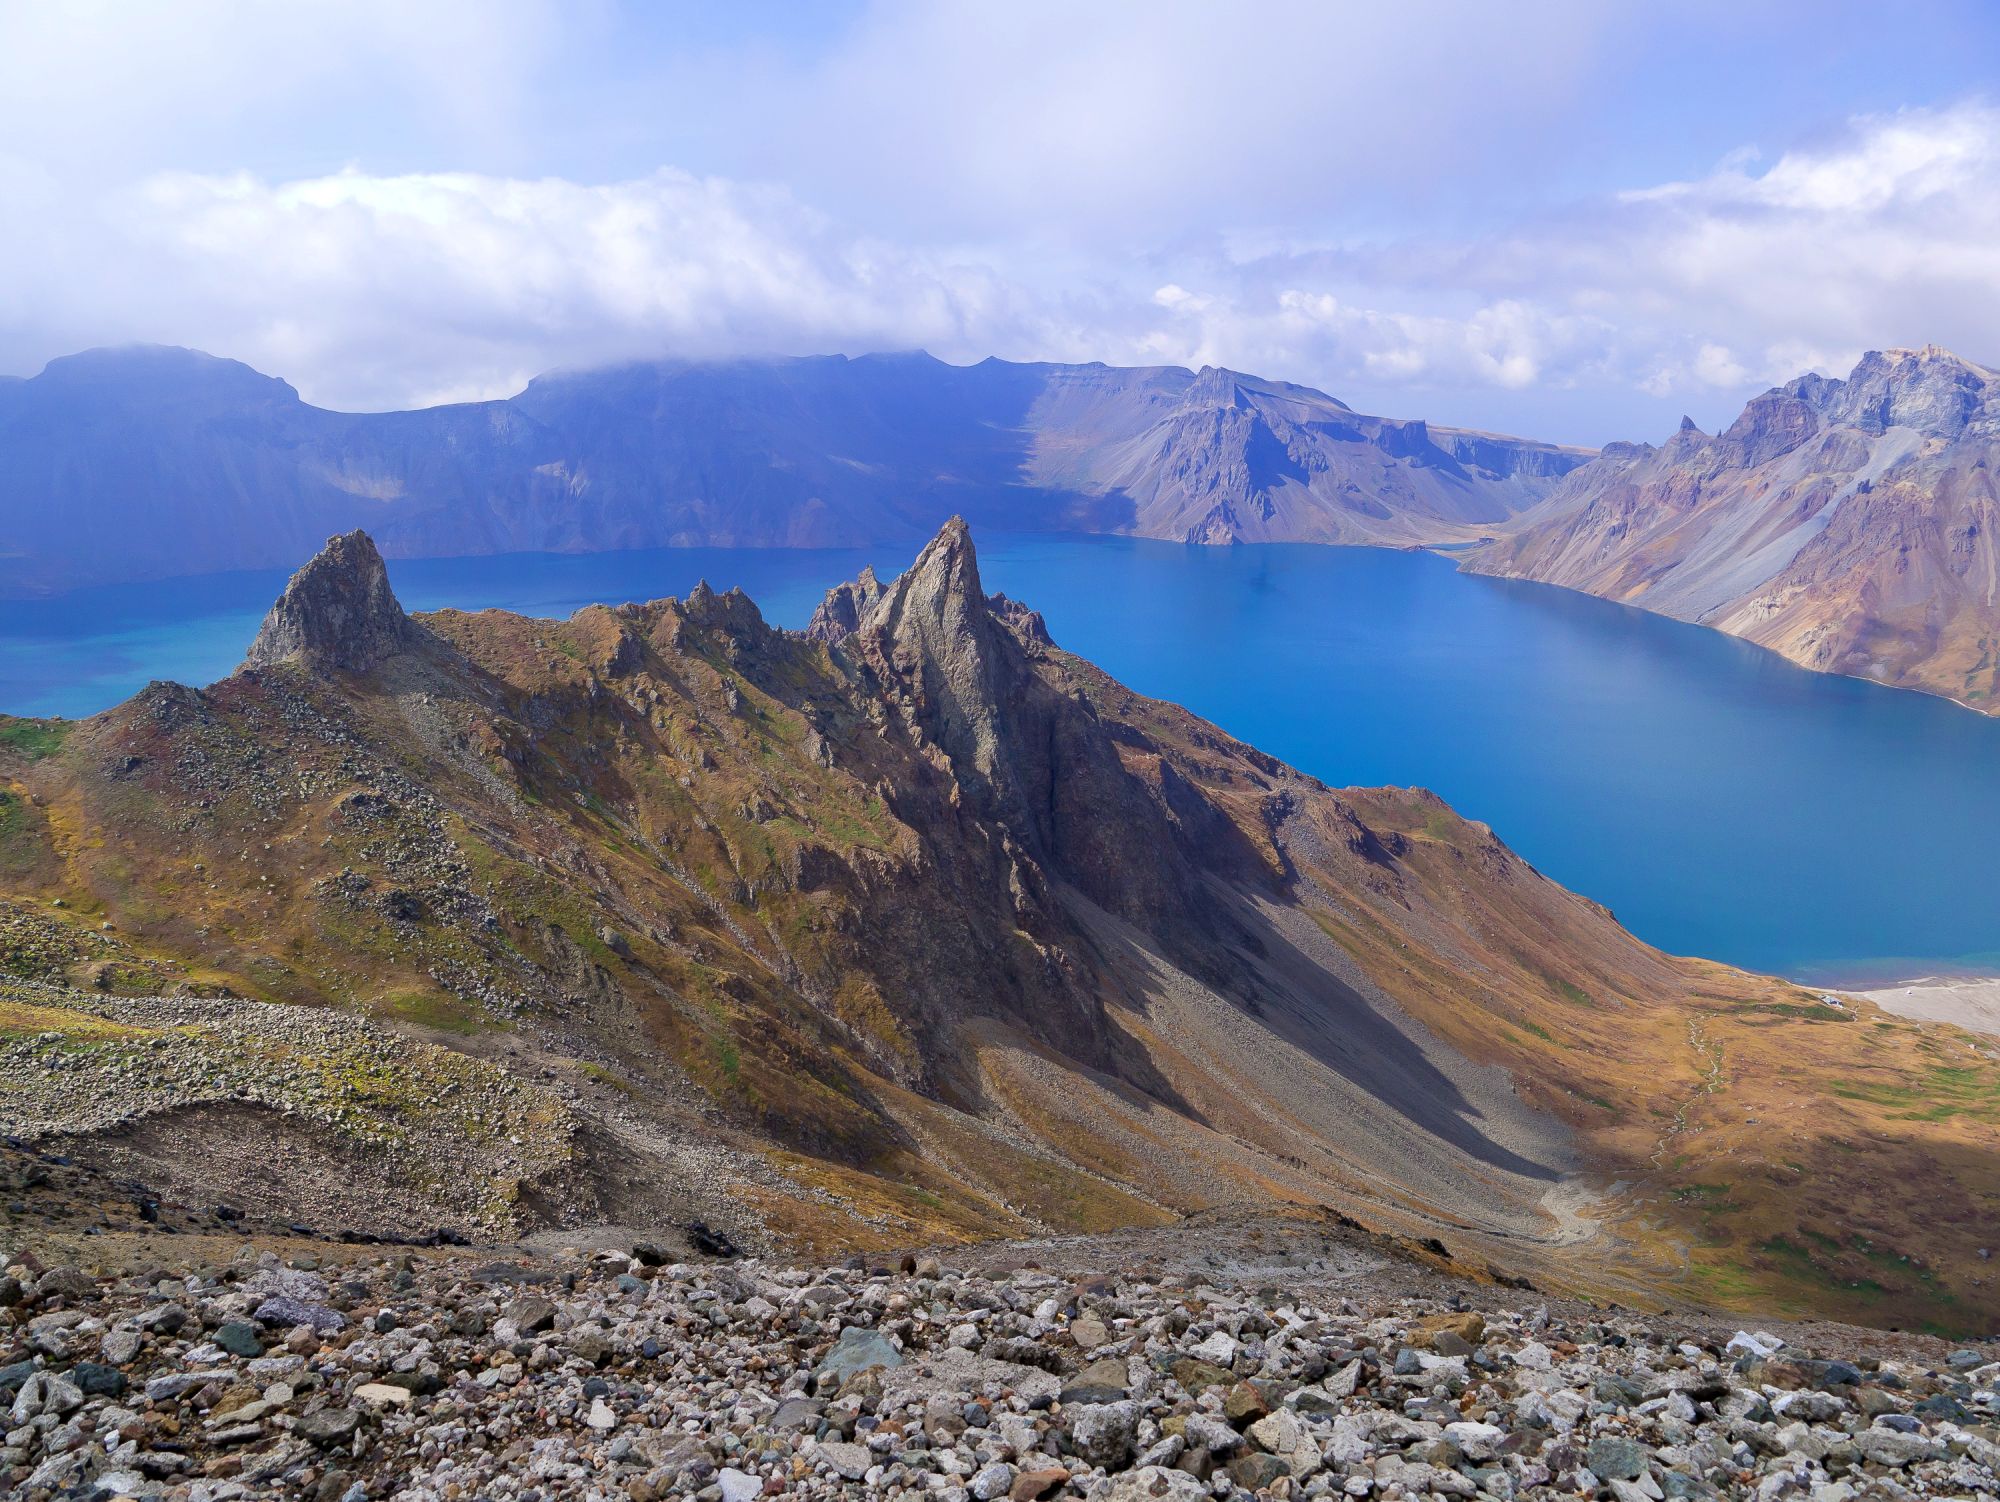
point(1721, 801)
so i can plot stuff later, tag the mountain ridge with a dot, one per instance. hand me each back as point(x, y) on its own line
point(1848, 524)
point(151, 462)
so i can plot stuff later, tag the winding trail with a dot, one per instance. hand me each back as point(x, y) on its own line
point(1711, 1081)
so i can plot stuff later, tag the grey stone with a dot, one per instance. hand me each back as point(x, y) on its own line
point(286, 1312)
point(1100, 1382)
point(1156, 1484)
point(1616, 1458)
point(531, 1314)
point(856, 1349)
point(63, 1282)
point(327, 1427)
point(97, 1380)
point(848, 1461)
point(1105, 1434)
point(992, 1481)
point(239, 1338)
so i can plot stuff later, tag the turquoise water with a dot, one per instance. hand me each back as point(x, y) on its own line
point(1719, 800)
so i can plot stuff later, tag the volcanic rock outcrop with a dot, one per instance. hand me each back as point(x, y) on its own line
point(844, 607)
point(338, 612)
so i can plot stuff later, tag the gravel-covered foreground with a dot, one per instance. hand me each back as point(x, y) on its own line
point(615, 1376)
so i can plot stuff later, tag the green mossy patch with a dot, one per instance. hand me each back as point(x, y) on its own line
point(33, 740)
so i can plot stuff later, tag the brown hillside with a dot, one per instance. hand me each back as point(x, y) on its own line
point(909, 927)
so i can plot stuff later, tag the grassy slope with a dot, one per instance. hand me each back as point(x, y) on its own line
point(1788, 1153)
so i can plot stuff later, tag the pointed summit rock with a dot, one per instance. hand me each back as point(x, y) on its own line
point(936, 633)
point(939, 597)
point(972, 677)
point(338, 612)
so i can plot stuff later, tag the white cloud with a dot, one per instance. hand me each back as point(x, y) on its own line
point(1126, 122)
point(1715, 365)
point(1887, 235)
point(1508, 344)
point(1157, 182)
point(1891, 160)
point(113, 88)
point(384, 290)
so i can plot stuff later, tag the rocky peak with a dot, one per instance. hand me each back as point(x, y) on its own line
point(935, 632)
point(338, 612)
point(1930, 390)
point(1027, 623)
point(845, 607)
point(1687, 441)
point(1821, 391)
point(973, 677)
point(1772, 424)
point(1623, 451)
point(158, 375)
point(732, 610)
point(937, 596)
point(1214, 386)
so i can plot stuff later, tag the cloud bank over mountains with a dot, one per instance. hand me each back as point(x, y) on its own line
point(926, 176)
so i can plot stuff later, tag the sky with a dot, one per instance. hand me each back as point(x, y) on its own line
point(1570, 219)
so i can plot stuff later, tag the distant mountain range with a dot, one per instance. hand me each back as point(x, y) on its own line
point(150, 462)
point(1846, 524)
point(1849, 525)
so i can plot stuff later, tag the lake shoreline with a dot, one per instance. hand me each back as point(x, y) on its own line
point(1720, 800)
point(1968, 1001)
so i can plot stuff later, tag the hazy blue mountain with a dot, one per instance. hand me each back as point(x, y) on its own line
point(147, 462)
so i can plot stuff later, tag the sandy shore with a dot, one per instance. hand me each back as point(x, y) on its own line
point(1968, 1001)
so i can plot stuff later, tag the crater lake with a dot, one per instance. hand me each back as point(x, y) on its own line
point(1721, 801)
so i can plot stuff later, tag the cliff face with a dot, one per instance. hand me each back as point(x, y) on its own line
point(915, 928)
point(125, 464)
point(1221, 457)
point(1847, 524)
point(970, 677)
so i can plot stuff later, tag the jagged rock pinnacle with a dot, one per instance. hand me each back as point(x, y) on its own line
point(846, 605)
point(936, 609)
point(337, 612)
point(731, 610)
point(935, 631)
